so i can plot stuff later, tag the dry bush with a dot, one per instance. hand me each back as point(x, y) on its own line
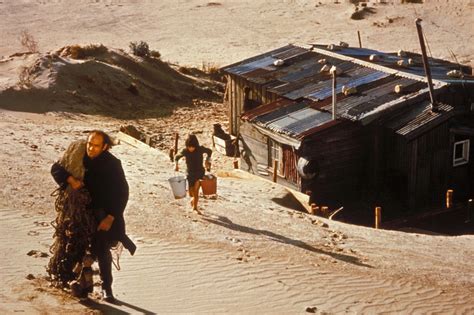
point(185, 70)
point(210, 68)
point(140, 49)
point(28, 41)
point(24, 78)
point(155, 54)
point(82, 52)
point(360, 14)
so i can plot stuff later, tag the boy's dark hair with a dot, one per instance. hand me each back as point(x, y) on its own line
point(105, 137)
point(192, 141)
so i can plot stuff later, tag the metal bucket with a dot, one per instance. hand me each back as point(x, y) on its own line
point(178, 186)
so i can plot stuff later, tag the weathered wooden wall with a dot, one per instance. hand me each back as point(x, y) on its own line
point(235, 99)
point(340, 152)
point(255, 157)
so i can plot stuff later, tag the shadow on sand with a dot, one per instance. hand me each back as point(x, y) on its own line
point(114, 308)
point(225, 222)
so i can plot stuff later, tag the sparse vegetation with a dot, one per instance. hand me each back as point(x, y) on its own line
point(24, 78)
point(155, 54)
point(82, 52)
point(210, 68)
point(28, 41)
point(140, 49)
point(360, 14)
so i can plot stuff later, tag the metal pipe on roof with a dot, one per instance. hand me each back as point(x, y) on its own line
point(333, 71)
point(434, 106)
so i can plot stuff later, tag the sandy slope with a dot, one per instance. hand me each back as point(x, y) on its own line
point(242, 256)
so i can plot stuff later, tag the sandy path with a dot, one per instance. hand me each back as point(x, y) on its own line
point(176, 278)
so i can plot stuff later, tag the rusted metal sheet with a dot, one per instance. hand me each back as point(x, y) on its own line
point(291, 120)
point(420, 117)
point(356, 78)
point(439, 68)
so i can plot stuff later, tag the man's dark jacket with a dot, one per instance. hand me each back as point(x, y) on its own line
point(105, 180)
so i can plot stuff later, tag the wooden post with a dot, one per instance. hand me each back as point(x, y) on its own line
point(172, 155)
point(378, 217)
point(324, 211)
point(275, 170)
point(360, 41)
point(469, 210)
point(426, 65)
point(312, 209)
point(176, 137)
point(236, 164)
point(449, 198)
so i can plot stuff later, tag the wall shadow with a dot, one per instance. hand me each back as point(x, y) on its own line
point(225, 222)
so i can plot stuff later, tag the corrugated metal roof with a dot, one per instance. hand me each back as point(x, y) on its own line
point(438, 67)
point(418, 118)
point(293, 119)
point(306, 91)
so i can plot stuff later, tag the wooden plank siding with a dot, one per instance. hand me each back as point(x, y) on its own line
point(340, 152)
point(416, 172)
point(236, 99)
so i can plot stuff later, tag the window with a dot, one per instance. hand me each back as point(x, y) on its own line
point(275, 154)
point(461, 152)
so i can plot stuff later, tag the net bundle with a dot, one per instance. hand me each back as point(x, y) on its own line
point(74, 226)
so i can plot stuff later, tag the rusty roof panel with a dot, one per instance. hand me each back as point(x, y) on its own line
point(287, 117)
point(351, 107)
point(293, 52)
point(253, 65)
point(438, 67)
point(365, 76)
point(295, 123)
point(418, 118)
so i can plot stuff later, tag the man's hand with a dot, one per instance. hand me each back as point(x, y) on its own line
point(208, 165)
point(106, 223)
point(74, 182)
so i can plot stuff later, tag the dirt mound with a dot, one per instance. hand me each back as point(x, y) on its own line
point(96, 80)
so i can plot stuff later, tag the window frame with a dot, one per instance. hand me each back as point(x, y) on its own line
point(464, 159)
point(275, 146)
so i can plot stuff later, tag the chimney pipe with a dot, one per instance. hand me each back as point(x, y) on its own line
point(434, 106)
point(333, 71)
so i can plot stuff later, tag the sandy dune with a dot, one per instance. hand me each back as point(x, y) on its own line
point(239, 257)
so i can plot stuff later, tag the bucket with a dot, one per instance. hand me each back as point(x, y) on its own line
point(209, 185)
point(178, 186)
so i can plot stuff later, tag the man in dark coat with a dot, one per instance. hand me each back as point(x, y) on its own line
point(105, 181)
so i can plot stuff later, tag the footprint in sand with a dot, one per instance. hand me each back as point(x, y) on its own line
point(41, 223)
point(37, 254)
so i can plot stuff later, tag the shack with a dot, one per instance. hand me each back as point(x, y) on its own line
point(381, 140)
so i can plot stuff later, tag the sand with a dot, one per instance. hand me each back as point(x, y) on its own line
point(251, 251)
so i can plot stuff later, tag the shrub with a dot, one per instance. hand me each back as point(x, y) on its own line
point(140, 49)
point(28, 41)
point(82, 52)
point(210, 68)
point(155, 54)
point(24, 79)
